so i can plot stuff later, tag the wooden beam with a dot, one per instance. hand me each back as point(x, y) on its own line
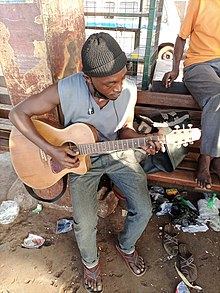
point(181, 179)
point(167, 100)
point(5, 124)
point(2, 82)
point(5, 99)
point(4, 110)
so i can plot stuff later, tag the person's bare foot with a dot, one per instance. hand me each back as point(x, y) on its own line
point(215, 166)
point(203, 177)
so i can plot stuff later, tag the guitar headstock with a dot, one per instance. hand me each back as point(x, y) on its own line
point(183, 136)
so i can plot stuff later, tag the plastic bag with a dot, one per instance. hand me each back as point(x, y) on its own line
point(182, 288)
point(8, 211)
point(64, 226)
point(210, 212)
point(183, 215)
point(33, 241)
point(205, 211)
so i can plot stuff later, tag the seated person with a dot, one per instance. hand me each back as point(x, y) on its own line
point(202, 78)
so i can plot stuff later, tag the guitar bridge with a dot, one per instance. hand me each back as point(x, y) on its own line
point(43, 155)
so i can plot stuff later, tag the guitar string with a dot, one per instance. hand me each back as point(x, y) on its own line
point(121, 141)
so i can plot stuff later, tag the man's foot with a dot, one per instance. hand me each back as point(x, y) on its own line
point(215, 166)
point(203, 177)
point(134, 262)
point(92, 280)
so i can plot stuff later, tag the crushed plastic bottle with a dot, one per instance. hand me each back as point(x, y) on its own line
point(187, 203)
point(211, 202)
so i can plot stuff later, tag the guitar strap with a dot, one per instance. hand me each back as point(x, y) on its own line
point(50, 200)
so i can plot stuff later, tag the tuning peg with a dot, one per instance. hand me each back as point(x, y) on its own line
point(190, 125)
point(178, 146)
point(185, 144)
point(177, 127)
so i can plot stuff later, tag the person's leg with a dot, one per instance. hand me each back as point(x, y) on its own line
point(215, 166)
point(83, 191)
point(127, 174)
point(203, 81)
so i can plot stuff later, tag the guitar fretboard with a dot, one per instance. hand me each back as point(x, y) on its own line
point(116, 145)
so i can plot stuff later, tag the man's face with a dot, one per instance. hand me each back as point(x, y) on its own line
point(110, 86)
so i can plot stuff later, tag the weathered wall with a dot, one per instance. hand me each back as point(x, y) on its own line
point(65, 35)
point(40, 42)
point(23, 50)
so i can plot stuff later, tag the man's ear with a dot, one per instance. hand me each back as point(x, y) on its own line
point(89, 83)
point(87, 78)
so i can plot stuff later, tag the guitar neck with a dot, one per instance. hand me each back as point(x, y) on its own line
point(116, 145)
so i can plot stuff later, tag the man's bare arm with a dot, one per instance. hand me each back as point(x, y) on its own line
point(170, 76)
point(37, 104)
point(40, 104)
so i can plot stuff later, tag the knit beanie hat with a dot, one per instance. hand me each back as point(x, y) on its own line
point(102, 56)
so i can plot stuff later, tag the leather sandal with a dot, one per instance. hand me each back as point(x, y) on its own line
point(93, 276)
point(170, 241)
point(186, 263)
point(132, 260)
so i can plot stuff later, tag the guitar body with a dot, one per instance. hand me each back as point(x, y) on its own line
point(35, 168)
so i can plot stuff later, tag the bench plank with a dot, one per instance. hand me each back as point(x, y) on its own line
point(2, 81)
point(5, 99)
point(167, 100)
point(151, 111)
point(181, 179)
point(4, 110)
point(4, 147)
point(5, 124)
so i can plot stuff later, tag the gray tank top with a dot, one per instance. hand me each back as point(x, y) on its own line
point(76, 99)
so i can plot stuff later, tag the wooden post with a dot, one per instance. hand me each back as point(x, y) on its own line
point(40, 43)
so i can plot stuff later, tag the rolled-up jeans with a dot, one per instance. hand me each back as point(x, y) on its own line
point(203, 82)
point(126, 173)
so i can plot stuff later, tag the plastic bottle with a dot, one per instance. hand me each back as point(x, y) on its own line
point(211, 202)
point(187, 203)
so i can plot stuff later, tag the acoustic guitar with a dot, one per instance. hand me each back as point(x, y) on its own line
point(38, 170)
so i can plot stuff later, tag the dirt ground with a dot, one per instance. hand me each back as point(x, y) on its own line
point(56, 266)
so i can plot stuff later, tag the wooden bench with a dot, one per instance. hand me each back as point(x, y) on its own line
point(5, 107)
point(148, 104)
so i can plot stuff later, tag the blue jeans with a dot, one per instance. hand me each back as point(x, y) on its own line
point(126, 173)
point(203, 82)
